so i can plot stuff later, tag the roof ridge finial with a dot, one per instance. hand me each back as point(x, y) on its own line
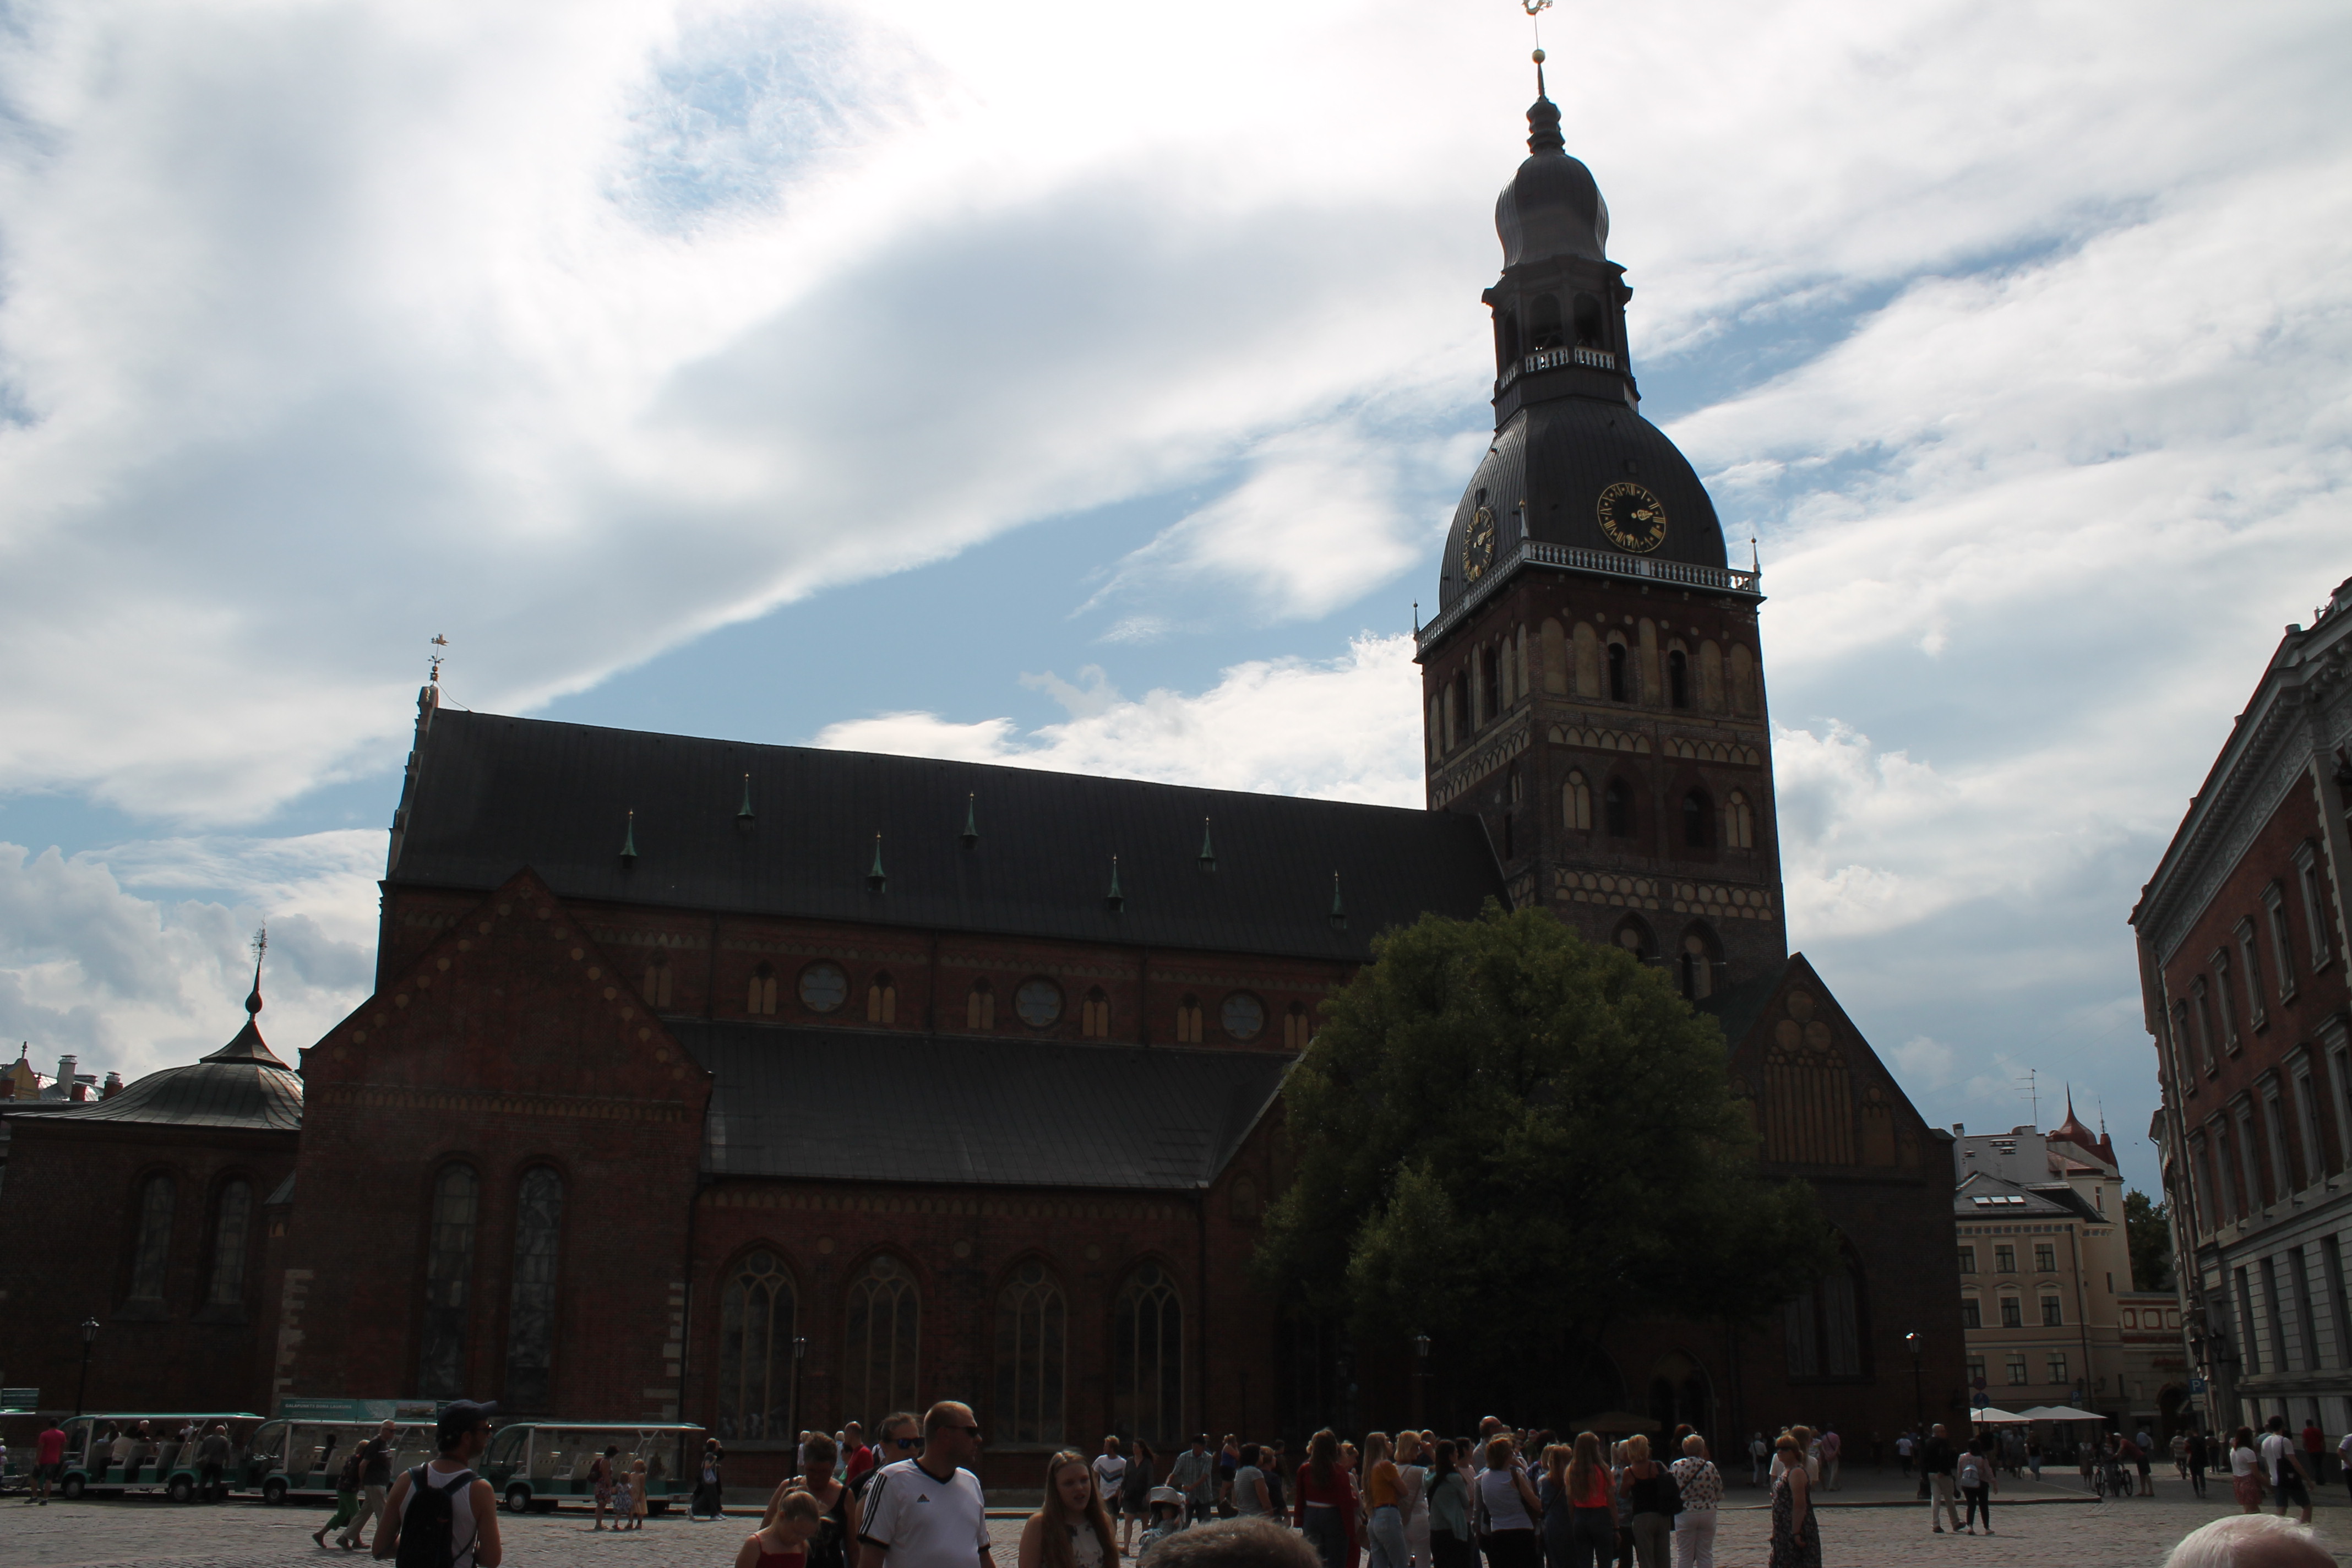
point(972, 819)
point(1543, 115)
point(876, 879)
point(1208, 861)
point(1339, 910)
point(629, 841)
point(744, 812)
point(260, 946)
point(1114, 898)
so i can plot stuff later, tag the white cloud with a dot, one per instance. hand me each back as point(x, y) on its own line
point(1345, 729)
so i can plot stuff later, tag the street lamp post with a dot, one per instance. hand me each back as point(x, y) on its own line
point(1420, 1380)
point(89, 1334)
point(800, 1354)
point(1911, 1343)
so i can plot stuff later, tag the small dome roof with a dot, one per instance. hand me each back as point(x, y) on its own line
point(1552, 206)
point(242, 1085)
point(1557, 456)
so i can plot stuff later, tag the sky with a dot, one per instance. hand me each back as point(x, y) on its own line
point(1089, 387)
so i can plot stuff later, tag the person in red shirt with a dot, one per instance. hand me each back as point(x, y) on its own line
point(2315, 1449)
point(1326, 1505)
point(49, 1459)
point(856, 1459)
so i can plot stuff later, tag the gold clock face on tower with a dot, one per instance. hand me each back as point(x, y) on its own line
point(1478, 545)
point(1632, 518)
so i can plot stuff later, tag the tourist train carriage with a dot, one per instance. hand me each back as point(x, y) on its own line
point(168, 1466)
point(538, 1464)
point(301, 1452)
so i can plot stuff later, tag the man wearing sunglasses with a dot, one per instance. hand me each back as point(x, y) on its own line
point(927, 1512)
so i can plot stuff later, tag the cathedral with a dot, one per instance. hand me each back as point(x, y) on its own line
point(767, 1088)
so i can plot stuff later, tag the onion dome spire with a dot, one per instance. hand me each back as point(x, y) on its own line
point(1543, 117)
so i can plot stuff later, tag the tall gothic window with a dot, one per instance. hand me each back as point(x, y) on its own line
point(1576, 802)
point(1188, 1021)
point(1698, 820)
point(885, 1326)
point(1094, 1014)
point(1147, 1355)
point(1823, 1326)
point(530, 1314)
point(151, 1255)
point(232, 1230)
point(882, 1001)
point(761, 1000)
point(1678, 677)
point(449, 1271)
point(980, 1007)
point(1297, 1027)
point(1617, 672)
point(1697, 968)
point(1617, 809)
point(757, 1310)
point(1738, 822)
point(1030, 1346)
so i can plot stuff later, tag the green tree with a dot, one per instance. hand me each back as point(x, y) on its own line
point(1509, 1139)
point(2148, 1229)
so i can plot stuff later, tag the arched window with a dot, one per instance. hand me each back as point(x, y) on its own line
point(882, 1000)
point(1030, 1354)
point(1634, 938)
point(232, 1230)
point(885, 1328)
point(980, 1007)
point(757, 1311)
point(1697, 967)
point(1094, 1014)
point(1743, 680)
point(1710, 677)
point(1588, 660)
point(1297, 1027)
point(1617, 809)
point(448, 1273)
point(530, 1308)
point(1738, 822)
point(1496, 661)
point(1823, 1325)
point(1553, 643)
point(1588, 323)
point(1678, 677)
point(1188, 1021)
point(1506, 339)
point(1147, 1354)
point(656, 984)
point(151, 1254)
point(762, 1001)
point(1698, 820)
point(1543, 322)
point(1576, 802)
point(1617, 672)
point(1437, 728)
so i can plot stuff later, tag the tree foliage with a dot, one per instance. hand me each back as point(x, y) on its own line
point(1507, 1138)
point(2149, 1230)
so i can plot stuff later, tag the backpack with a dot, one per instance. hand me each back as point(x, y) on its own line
point(424, 1524)
point(348, 1478)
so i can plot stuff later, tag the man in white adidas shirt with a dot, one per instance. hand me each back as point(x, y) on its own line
point(928, 1512)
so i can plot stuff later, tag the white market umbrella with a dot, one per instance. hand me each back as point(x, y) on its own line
point(2059, 1413)
point(1989, 1417)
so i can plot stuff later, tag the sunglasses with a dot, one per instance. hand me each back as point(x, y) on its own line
point(906, 1442)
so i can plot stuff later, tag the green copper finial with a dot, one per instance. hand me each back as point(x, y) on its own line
point(876, 879)
point(970, 820)
point(1115, 899)
point(1208, 850)
point(629, 840)
point(745, 812)
point(1339, 910)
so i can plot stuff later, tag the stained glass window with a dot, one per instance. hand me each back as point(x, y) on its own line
point(531, 1313)
point(449, 1271)
point(1030, 1341)
point(756, 1312)
point(1147, 1337)
point(152, 1253)
point(884, 1327)
point(232, 1226)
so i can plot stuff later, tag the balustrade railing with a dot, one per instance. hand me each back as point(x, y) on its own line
point(1682, 573)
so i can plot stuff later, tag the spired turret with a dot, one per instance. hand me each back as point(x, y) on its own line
point(1591, 680)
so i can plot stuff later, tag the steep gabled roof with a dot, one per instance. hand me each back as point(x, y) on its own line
point(881, 1106)
point(491, 795)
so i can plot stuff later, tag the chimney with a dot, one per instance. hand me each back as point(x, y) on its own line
point(80, 1091)
point(1959, 1129)
point(66, 1066)
point(114, 1085)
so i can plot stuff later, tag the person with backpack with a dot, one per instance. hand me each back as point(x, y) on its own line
point(441, 1514)
point(1978, 1479)
point(347, 1497)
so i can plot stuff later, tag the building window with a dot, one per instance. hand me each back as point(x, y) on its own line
point(762, 1001)
point(2306, 1327)
point(1677, 677)
point(2017, 1371)
point(1297, 1027)
point(2181, 1042)
point(1188, 1021)
point(151, 1254)
point(1743, 681)
point(2282, 945)
point(1976, 1371)
point(2249, 1349)
point(2012, 1313)
point(1738, 822)
point(2315, 906)
point(980, 1007)
point(1697, 968)
point(2052, 1315)
point(823, 988)
point(2226, 999)
point(1029, 1340)
point(1094, 1014)
point(2204, 997)
point(2045, 1257)
point(531, 1316)
point(882, 1000)
point(1038, 1003)
point(1971, 1312)
point(2311, 1160)
point(757, 1313)
point(1243, 1016)
point(2004, 1258)
point(1698, 820)
point(232, 1229)
point(885, 1325)
point(656, 984)
point(1823, 1327)
point(2284, 1178)
point(1147, 1350)
point(1576, 802)
point(2057, 1368)
point(2249, 959)
point(448, 1274)
point(1968, 1260)
point(1617, 809)
point(1616, 672)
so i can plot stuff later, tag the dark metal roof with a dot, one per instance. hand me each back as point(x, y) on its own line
point(1552, 206)
point(858, 1105)
point(1558, 455)
point(240, 1095)
point(493, 795)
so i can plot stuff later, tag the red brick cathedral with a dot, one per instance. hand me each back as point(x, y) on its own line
point(767, 1088)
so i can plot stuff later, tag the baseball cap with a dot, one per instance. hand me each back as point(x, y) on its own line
point(460, 1416)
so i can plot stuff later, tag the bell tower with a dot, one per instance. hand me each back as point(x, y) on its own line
point(1592, 683)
